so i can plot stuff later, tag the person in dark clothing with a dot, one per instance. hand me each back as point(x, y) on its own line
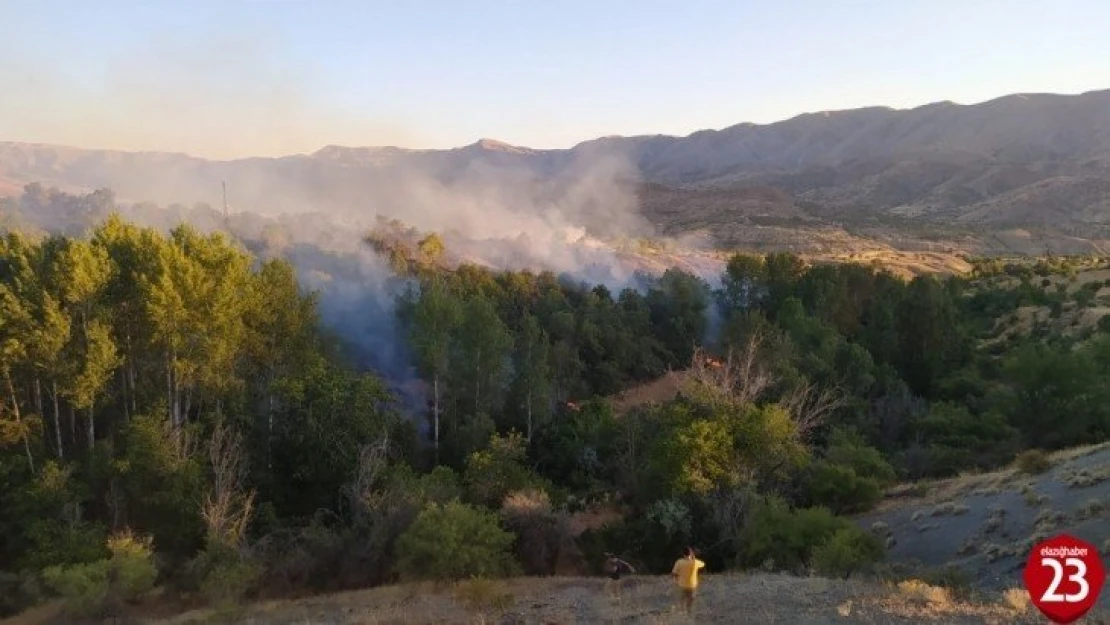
point(616, 567)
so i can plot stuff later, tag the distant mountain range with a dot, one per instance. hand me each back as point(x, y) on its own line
point(1017, 173)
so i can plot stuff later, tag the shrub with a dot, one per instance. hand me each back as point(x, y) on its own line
point(1032, 462)
point(849, 550)
point(17, 593)
point(840, 488)
point(956, 581)
point(543, 536)
point(224, 575)
point(655, 538)
point(133, 570)
point(787, 537)
point(227, 583)
point(99, 588)
point(56, 533)
point(454, 541)
point(849, 449)
point(499, 469)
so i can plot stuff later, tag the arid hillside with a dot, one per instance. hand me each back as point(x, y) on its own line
point(1022, 173)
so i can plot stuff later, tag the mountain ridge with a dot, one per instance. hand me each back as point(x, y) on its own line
point(492, 143)
point(1020, 161)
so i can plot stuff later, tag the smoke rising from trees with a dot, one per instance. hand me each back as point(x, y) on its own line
point(488, 213)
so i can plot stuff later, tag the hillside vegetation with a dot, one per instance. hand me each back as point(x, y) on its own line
point(1017, 174)
point(175, 415)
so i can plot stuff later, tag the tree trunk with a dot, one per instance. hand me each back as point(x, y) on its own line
point(38, 398)
point(129, 375)
point(435, 412)
point(123, 392)
point(169, 391)
point(57, 419)
point(529, 411)
point(19, 421)
point(477, 379)
point(92, 428)
point(38, 407)
point(72, 425)
point(270, 422)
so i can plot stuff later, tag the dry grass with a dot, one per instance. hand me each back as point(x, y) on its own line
point(1092, 508)
point(950, 508)
point(939, 491)
point(1048, 520)
point(903, 263)
point(1033, 499)
point(1017, 599)
point(657, 391)
point(919, 601)
point(880, 529)
point(759, 598)
point(1067, 455)
point(1086, 478)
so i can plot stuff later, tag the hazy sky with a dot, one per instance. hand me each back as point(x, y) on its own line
point(226, 78)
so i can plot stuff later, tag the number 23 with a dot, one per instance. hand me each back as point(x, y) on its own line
point(1080, 577)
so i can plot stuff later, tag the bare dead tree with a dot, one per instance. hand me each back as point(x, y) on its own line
point(810, 405)
point(227, 509)
point(373, 459)
point(743, 378)
point(739, 377)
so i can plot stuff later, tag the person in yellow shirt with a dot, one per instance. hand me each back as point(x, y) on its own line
point(685, 573)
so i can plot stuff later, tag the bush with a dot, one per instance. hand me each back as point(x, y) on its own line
point(1104, 324)
point(840, 488)
point(17, 593)
point(785, 537)
point(454, 541)
point(543, 537)
point(224, 575)
point(849, 550)
point(300, 558)
point(1032, 462)
point(956, 581)
point(850, 477)
point(100, 588)
point(499, 469)
point(849, 449)
point(228, 583)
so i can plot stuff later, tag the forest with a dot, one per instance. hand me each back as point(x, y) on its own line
point(174, 414)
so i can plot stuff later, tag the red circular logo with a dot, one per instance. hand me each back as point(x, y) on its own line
point(1064, 576)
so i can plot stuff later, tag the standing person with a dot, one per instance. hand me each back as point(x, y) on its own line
point(685, 573)
point(616, 567)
